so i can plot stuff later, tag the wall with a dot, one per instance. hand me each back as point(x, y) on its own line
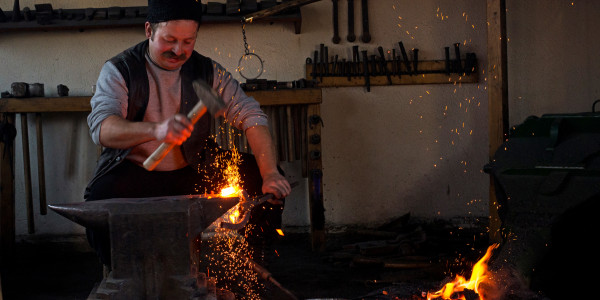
point(553, 59)
point(415, 149)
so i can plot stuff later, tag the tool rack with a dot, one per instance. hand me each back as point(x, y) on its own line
point(115, 17)
point(310, 99)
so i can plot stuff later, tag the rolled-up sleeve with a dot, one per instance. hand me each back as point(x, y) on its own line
point(241, 110)
point(109, 99)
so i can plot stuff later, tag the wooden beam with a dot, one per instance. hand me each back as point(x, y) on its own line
point(433, 72)
point(497, 96)
point(315, 179)
point(82, 103)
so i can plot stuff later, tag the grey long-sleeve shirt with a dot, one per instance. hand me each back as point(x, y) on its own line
point(111, 98)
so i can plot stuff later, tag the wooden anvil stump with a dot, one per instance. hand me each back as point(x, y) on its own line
point(153, 243)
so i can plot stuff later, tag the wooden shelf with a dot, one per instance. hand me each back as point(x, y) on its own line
point(82, 103)
point(99, 18)
point(430, 72)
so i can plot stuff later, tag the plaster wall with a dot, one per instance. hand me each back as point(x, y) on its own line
point(553, 63)
point(415, 149)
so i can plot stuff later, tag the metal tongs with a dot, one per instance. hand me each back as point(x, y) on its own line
point(246, 205)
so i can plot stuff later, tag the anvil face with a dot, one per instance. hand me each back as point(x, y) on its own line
point(152, 239)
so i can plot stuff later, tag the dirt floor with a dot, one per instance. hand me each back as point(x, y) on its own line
point(354, 265)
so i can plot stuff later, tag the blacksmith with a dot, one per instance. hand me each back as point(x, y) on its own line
point(142, 98)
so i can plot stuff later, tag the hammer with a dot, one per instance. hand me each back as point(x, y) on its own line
point(208, 100)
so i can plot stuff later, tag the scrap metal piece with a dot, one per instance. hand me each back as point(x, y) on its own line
point(248, 6)
point(115, 13)
point(62, 90)
point(215, 8)
point(232, 7)
point(36, 90)
point(27, 14)
point(19, 89)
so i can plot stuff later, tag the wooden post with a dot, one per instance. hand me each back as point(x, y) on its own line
point(7, 195)
point(497, 96)
point(315, 179)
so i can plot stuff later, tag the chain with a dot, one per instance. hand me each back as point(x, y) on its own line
point(244, 35)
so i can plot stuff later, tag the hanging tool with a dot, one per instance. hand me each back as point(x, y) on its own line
point(27, 173)
point(40, 157)
point(374, 70)
point(366, 70)
point(208, 100)
point(458, 65)
point(383, 64)
point(415, 61)
point(355, 61)
point(335, 66)
point(405, 57)
point(315, 70)
point(351, 37)
point(326, 55)
point(290, 133)
point(321, 61)
point(447, 57)
point(336, 34)
point(366, 36)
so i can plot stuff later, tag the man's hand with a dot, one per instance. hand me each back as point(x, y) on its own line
point(277, 185)
point(174, 130)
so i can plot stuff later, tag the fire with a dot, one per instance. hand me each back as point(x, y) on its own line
point(479, 275)
point(230, 191)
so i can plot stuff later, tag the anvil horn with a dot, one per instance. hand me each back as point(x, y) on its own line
point(87, 214)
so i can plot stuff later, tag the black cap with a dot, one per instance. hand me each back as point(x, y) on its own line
point(167, 10)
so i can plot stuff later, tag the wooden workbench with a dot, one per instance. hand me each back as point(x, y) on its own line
point(311, 98)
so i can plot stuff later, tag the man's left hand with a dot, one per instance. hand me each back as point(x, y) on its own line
point(277, 185)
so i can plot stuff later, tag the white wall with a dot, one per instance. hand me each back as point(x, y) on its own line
point(553, 59)
point(394, 150)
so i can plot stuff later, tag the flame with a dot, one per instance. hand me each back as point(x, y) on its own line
point(479, 275)
point(234, 216)
point(230, 191)
point(279, 231)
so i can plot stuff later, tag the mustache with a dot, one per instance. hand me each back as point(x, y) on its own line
point(170, 55)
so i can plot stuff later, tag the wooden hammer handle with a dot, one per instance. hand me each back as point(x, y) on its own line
point(157, 156)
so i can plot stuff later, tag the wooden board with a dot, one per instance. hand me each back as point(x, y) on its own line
point(82, 103)
point(497, 97)
point(428, 77)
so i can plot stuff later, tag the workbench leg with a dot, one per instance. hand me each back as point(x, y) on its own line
point(7, 191)
point(315, 179)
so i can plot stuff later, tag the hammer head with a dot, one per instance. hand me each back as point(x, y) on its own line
point(208, 96)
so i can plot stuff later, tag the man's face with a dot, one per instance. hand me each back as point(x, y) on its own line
point(172, 42)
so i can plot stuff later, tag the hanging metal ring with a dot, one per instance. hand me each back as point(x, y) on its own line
point(249, 56)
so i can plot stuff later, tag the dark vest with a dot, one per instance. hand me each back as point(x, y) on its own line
point(131, 63)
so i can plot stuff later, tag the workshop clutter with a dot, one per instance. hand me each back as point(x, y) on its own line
point(386, 67)
point(26, 90)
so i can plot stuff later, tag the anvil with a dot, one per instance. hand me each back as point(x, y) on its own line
point(153, 242)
